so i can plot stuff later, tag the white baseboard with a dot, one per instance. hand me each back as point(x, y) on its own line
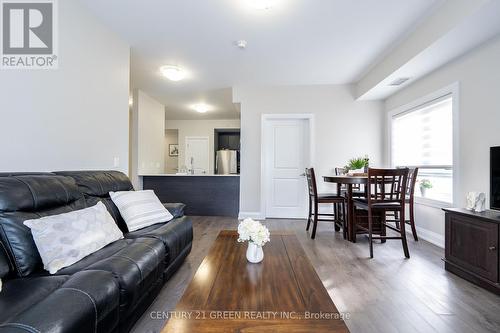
point(427, 235)
point(252, 215)
point(430, 236)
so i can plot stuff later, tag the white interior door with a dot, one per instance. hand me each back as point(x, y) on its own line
point(197, 154)
point(286, 156)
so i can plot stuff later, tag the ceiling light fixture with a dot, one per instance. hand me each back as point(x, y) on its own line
point(173, 73)
point(262, 4)
point(241, 44)
point(201, 108)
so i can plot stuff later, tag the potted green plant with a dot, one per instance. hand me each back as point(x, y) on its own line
point(358, 165)
point(425, 184)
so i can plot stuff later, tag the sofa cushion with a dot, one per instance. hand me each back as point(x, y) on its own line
point(64, 239)
point(99, 183)
point(31, 197)
point(4, 262)
point(86, 302)
point(175, 235)
point(102, 254)
point(112, 209)
point(32, 193)
point(176, 209)
point(20, 294)
point(96, 186)
point(140, 209)
point(136, 265)
point(10, 174)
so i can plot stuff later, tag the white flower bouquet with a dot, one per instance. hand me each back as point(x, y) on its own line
point(253, 232)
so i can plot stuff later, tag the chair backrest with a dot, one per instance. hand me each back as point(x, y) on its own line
point(340, 171)
point(343, 171)
point(311, 182)
point(412, 181)
point(387, 185)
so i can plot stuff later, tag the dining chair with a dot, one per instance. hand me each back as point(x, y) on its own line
point(316, 199)
point(410, 201)
point(386, 192)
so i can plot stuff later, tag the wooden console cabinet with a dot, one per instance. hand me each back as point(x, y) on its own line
point(471, 246)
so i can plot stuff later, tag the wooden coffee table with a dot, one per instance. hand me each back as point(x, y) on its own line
point(281, 294)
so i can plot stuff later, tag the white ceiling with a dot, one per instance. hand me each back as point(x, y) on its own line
point(477, 28)
point(298, 42)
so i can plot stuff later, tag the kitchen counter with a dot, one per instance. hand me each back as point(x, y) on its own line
point(204, 195)
point(186, 175)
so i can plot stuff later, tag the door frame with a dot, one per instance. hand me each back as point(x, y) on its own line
point(309, 117)
point(187, 138)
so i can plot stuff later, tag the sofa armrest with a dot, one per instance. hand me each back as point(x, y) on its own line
point(176, 209)
point(87, 302)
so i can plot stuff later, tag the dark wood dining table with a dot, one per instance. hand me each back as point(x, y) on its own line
point(349, 181)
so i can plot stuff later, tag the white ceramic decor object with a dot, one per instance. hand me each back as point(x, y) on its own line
point(480, 203)
point(476, 201)
point(256, 235)
point(255, 254)
point(470, 200)
point(356, 171)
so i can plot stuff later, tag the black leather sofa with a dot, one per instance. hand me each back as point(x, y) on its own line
point(106, 291)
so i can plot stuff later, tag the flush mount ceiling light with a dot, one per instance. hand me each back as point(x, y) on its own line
point(173, 73)
point(262, 4)
point(201, 108)
point(241, 44)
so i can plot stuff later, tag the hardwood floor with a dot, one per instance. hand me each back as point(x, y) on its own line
point(386, 294)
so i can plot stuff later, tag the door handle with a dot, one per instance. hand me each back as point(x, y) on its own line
point(302, 175)
point(492, 248)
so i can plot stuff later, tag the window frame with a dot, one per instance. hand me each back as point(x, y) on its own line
point(453, 91)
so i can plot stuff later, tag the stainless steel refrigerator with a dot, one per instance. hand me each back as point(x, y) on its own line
point(226, 162)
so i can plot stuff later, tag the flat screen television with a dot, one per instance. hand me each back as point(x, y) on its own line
point(495, 178)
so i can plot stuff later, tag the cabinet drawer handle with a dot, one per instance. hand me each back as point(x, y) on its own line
point(492, 248)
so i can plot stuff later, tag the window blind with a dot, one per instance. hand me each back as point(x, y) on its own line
point(424, 136)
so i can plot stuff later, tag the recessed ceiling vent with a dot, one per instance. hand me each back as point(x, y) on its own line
point(399, 81)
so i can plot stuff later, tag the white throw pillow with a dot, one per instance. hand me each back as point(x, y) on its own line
point(65, 239)
point(140, 209)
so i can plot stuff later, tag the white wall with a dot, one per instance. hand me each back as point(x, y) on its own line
point(478, 74)
point(149, 118)
point(199, 128)
point(344, 128)
point(75, 117)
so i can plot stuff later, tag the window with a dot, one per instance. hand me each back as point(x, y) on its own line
point(423, 137)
